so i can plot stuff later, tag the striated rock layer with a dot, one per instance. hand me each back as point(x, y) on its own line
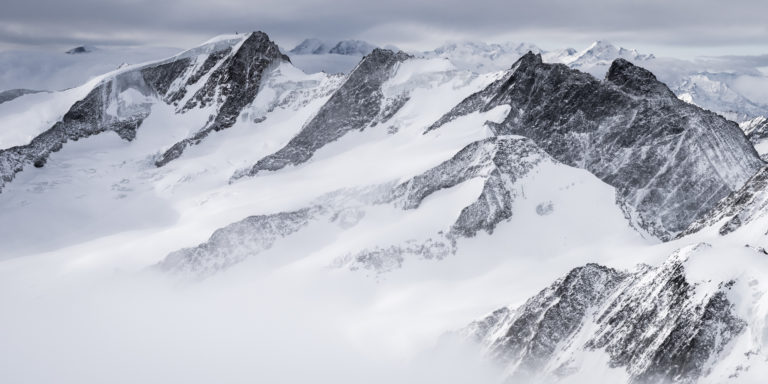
point(671, 162)
point(358, 103)
point(653, 322)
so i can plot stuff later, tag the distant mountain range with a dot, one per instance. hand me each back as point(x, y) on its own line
point(344, 47)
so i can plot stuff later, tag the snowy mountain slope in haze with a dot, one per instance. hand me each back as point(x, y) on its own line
point(481, 57)
point(630, 130)
point(344, 47)
point(597, 58)
point(715, 91)
point(311, 47)
point(364, 253)
point(287, 91)
point(11, 94)
point(670, 323)
point(55, 70)
point(723, 85)
point(352, 47)
point(315, 55)
point(710, 83)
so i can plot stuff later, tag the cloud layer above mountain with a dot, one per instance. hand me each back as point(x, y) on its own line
point(740, 25)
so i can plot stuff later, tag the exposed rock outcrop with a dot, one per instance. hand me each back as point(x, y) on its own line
point(671, 162)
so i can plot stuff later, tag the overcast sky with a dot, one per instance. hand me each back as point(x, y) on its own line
point(666, 27)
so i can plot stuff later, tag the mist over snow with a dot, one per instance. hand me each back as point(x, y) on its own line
point(383, 193)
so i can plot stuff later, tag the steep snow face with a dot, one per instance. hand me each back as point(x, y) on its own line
point(659, 324)
point(631, 131)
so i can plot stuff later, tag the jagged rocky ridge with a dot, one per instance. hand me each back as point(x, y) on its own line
point(653, 322)
point(233, 84)
point(630, 131)
point(500, 161)
point(357, 104)
point(235, 242)
point(227, 76)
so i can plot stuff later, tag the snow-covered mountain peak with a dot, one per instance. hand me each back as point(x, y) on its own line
point(479, 56)
point(314, 46)
point(596, 59)
point(223, 76)
point(311, 46)
point(352, 47)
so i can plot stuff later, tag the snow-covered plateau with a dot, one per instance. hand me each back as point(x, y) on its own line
point(480, 213)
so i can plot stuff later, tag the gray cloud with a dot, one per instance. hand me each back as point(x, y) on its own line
point(736, 27)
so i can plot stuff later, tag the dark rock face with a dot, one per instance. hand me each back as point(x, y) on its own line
point(11, 94)
point(652, 322)
point(739, 208)
point(78, 50)
point(528, 337)
point(501, 161)
point(234, 84)
point(670, 162)
point(354, 106)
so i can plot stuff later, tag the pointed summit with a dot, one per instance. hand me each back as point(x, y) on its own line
point(232, 85)
point(354, 106)
point(530, 59)
point(634, 79)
